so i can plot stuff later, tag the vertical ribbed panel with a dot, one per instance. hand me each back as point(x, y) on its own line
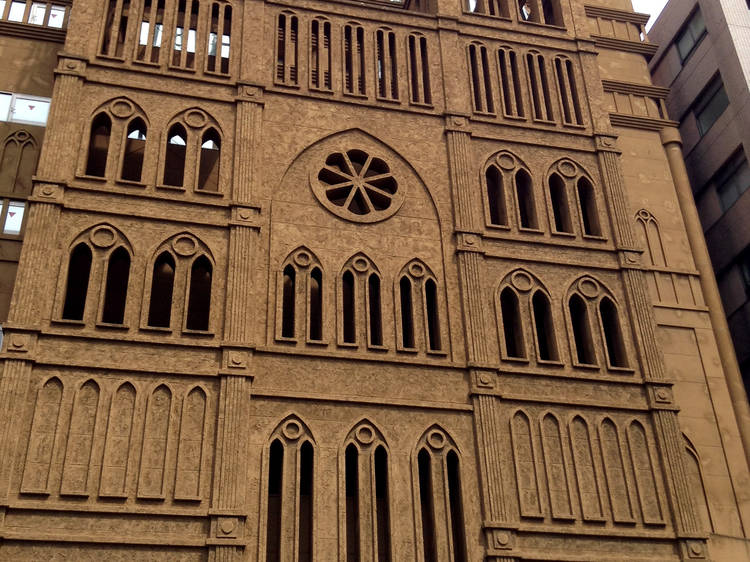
point(13, 386)
point(490, 450)
point(239, 284)
point(635, 285)
point(247, 140)
point(476, 336)
point(226, 554)
point(232, 450)
point(28, 294)
point(54, 162)
point(460, 179)
point(618, 204)
point(673, 452)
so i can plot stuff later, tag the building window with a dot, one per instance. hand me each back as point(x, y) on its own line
point(687, 40)
point(744, 262)
point(510, 83)
point(37, 13)
point(354, 60)
point(20, 108)
point(12, 217)
point(386, 64)
point(481, 81)
point(286, 49)
point(541, 101)
point(79, 268)
point(320, 54)
point(732, 180)
point(419, 70)
point(710, 104)
point(301, 294)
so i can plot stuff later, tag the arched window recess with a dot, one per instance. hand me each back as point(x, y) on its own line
point(573, 201)
point(595, 324)
point(95, 283)
point(419, 310)
point(301, 298)
point(360, 304)
point(179, 287)
point(509, 198)
point(18, 160)
point(191, 158)
point(526, 324)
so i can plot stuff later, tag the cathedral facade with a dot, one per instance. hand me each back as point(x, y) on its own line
point(365, 280)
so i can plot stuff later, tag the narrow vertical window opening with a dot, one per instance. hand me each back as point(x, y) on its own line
point(560, 209)
point(306, 471)
point(316, 305)
point(210, 156)
point(456, 508)
point(579, 318)
point(426, 504)
point(162, 285)
point(433, 321)
point(348, 303)
point(287, 302)
point(496, 197)
point(135, 145)
point(79, 268)
point(544, 325)
point(589, 214)
point(116, 289)
point(101, 129)
point(199, 300)
point(382, 505)
point(376, 322)
point(407, 313)
point(612, 333)
point(352, 503)
point(525, 196)
point(275, 475)
point(512, 327)
point(174, 161)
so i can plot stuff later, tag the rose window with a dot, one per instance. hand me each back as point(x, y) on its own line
point(357, 186)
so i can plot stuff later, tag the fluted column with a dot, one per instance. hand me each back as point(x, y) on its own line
point(228, 505)
point(499, 533)
point(659, 391)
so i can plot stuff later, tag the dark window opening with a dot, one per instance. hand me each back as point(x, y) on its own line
point(79, 268)
point(551, 12)
point(305, 550)
point(352, 504)
point(116, 290)
point(525, 195)
point(589, 214)
point(320, 54)
point(560, 209)
point(382, 505)
point(510, 83)
point(407, 313)
point(579, 317)
point(135, 146)
point(287, 302)
point(116, 26)
point(612, 333)
point(174, 161)
point(427, 509)
point(185, 34)
point(496, 197)
point(545, 328)
point(316, 305)
point(433, 323)
point(162, 284)
point(286, 49)
point(512, 327)
point(208, 172)
point(348, 304)
point(273, 519)
point(456, 508)
point(376, 322)
point(199, 301)
point(101, 129)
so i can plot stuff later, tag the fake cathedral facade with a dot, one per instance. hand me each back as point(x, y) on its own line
point(365, 280)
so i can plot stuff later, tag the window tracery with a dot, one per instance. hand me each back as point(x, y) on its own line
point(569, 182)
point(301, 294)
point(418, 309)
point(18, 160)
point(510, 199)
point(361, 313)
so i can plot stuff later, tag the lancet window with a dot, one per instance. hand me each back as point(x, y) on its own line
point(569, 183)
point(18, 159)
point(300, 290)
point(419, 69)
point(354, 60)
point(320, 54)
point(287, 49)
point(361, 303)
point(541, 99)
point(481, 79)
point(510, 83)
point(509, 199)
point(566, 86)
point(386, 64)
point(418, 309)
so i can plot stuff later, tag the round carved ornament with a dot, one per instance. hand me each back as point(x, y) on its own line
point(357, 186)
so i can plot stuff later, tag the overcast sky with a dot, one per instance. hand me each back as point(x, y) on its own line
point(652, 7)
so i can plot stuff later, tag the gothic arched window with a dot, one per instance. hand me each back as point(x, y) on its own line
point(301, 296)
point(419, 309)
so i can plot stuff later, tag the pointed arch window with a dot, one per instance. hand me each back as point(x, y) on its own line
point(162, 288)
point(210, 156)
point(438, 490)
point(354, 60)
point(290, 493)
point(101, 130)
point(510, 199)
point(591, 304)
point(496, 197)
point(79, 270)
point(560, 208)
point(361, 314)
point(366, 501)
point(287, 30)
point(587, 204)
point(43, 437)
point(174, 161)
point(419, 309)
point(566, 86)
point(526, 325)
point(651, 236)
point(527, 217)
point(481, 79)
point(541, 98)
point(193, 153)
point(569, 183)
point(78, 450)
point(18, 160)
point(116, 287)
point(301, 298)
point(320, 54)
point(386, 64)
point(199, 299)
point(133, 151)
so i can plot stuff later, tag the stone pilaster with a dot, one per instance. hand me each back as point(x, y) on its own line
point(663, 409)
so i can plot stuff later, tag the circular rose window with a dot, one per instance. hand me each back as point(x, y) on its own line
point(357, 186)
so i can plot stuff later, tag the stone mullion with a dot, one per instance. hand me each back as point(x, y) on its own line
point(246, 143)
point(237, 321)
point(13, 389)
point(659, 392)
point(458, 148)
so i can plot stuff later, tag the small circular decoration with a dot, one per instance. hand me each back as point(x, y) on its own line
point(22, 135)
point(291, 430)
point(436, 439)
point(416, 270)
point(103, 236)
point(71, 64)
point(184, 245)
point(48, 190)
point(361, 264)
point(302, 258)
point(195, 118)
point(244, 214)
point(643, 214)
point(567, 168)
point(506, 161)
point(227, 525)
point(357, 186)
point(521, 281)
point(484, 378)
point(502, 538)
point(17, 341)
point(588, 287)
point(662, 394)
point(235, 359)
point(122, 108)
point(695, 548)
point(365, 435)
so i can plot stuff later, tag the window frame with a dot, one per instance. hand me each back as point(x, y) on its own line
point(704, 99)
point(724, 176)
point(686, 28)
point(14, 97)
